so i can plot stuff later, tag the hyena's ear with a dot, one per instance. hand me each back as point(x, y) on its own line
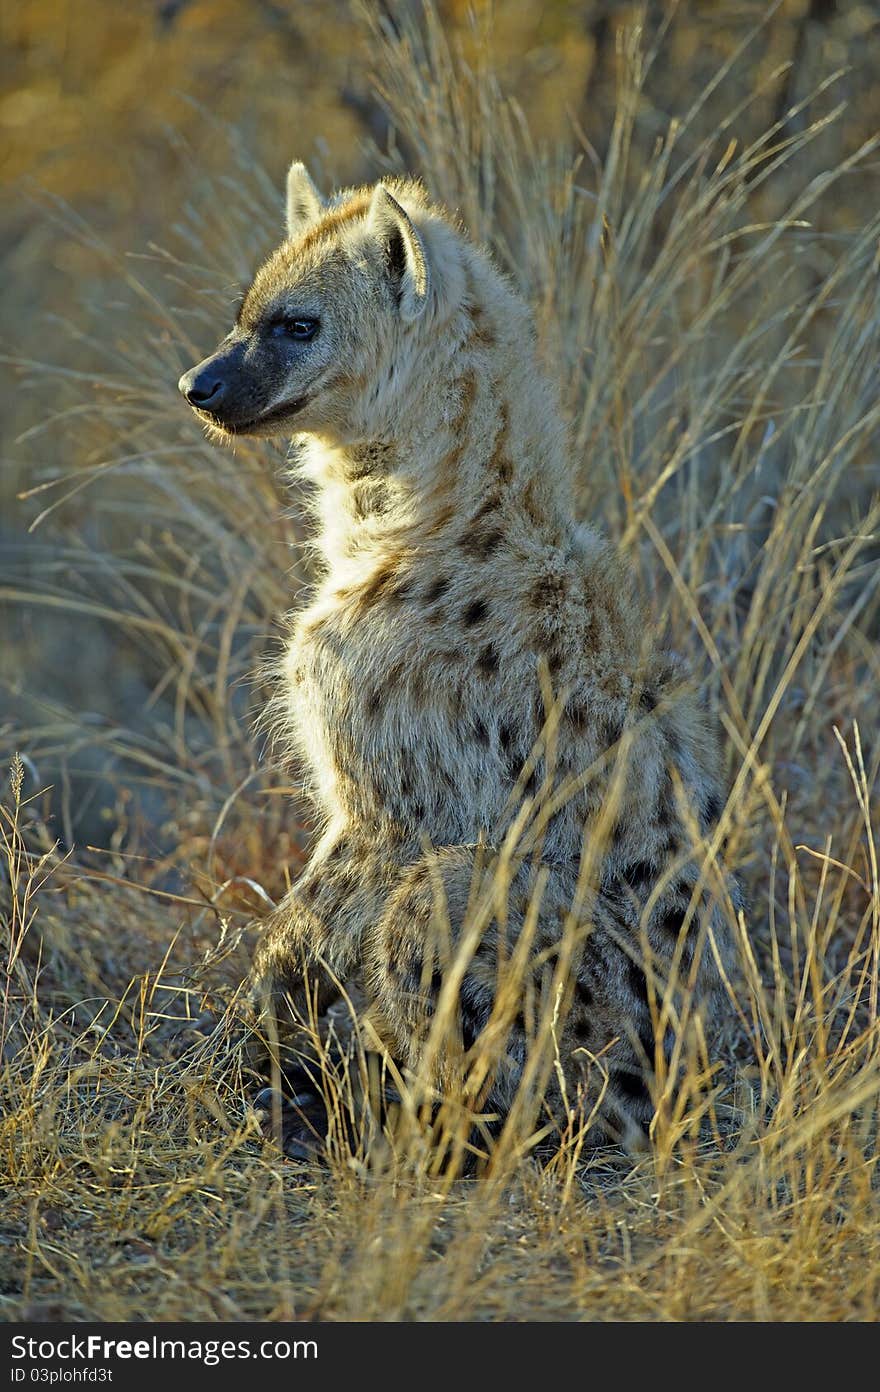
point(304, 203)
point(404, 252)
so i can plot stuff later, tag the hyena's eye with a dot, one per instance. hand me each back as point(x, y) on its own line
point(299, 328)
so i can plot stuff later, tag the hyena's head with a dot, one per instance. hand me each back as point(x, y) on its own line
point(321, 337)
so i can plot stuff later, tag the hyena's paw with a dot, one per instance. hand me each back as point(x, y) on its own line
point(293, 1110)
point(297, 1124)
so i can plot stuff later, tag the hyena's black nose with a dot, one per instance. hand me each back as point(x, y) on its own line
point(203, 389)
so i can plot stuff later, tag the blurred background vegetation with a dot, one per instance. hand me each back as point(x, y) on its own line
point(144, 147)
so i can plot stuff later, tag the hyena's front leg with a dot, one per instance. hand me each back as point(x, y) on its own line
point(309, 951)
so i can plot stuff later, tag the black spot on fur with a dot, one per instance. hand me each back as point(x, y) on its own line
point(648, 1045)
point(377, 586)
point(470, 1030)
point(666, 815)
point(648, 699)
point(640, 876)
point(505, 737)
point(712, 810)
point(365, 460)
point(473, 1020)
point(437, 589)
point(544, 592)
point(309, 890)
point(583, 994)
point(670, 922)
point(636, 980)
point(482, 731)
point(613, 731)
point(482, 543)
point(577, 714)
point(609, 731)
point(380, 500)
point(555, 654)
point(674, 741)
point(487, 662)
point(631, 1082)
point(488, 508)
point(475, 612)
point(414, 974)
point(594, 956)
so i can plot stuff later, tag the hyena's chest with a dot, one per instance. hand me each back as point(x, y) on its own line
point(391, 726)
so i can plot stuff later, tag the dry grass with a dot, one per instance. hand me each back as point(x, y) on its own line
point(719, 354)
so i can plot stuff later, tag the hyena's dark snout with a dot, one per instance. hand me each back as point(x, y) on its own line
point(214, 384)
point(203, 386)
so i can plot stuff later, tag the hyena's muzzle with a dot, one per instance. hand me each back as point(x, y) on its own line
point(237, 388)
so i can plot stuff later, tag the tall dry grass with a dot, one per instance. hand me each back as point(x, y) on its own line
point(719, 360)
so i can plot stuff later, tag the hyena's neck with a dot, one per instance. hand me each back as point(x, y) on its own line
point(474, 448)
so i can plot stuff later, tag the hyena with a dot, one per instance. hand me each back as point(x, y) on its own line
point(470, 655)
